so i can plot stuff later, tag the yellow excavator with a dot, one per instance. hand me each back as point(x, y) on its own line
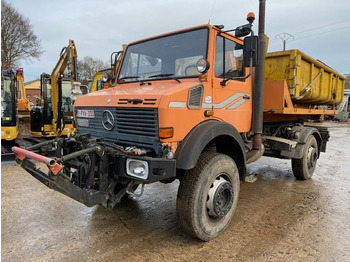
point(13, 102)
point(11, 89)
point(54, 116)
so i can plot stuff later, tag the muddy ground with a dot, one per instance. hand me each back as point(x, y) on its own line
point(277, 219)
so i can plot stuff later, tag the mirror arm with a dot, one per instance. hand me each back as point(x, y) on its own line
point(238, 28)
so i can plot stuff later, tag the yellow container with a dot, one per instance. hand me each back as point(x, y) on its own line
point(310, 81)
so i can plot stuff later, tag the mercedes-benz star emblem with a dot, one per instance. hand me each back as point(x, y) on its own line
point(107, 120)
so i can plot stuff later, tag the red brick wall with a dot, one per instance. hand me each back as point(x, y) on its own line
point(32, 94)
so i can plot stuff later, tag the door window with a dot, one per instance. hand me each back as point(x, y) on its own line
point(228, 58)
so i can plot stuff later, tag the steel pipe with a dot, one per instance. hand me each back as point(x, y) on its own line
point(21, 154)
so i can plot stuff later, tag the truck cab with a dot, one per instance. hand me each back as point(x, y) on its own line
point(161, 96)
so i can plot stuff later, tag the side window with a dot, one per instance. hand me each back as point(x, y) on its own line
point(228, 58)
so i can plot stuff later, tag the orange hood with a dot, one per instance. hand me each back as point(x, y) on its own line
point(134, 94)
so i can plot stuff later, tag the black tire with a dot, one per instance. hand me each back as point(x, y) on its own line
point(304, 168)
point(208, 195)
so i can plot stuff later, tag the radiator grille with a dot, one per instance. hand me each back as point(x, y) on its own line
point(132, 126)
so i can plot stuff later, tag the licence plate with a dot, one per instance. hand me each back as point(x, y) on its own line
point(85, 113)
point(83, 122)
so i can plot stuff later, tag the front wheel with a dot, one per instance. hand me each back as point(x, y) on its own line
point(304, 168)
point(208, 195)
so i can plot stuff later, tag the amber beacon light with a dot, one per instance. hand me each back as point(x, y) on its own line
point(250, 17)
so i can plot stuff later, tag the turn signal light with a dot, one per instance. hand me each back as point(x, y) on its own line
point(203, 78)
point(208, 113)
point(166, 132)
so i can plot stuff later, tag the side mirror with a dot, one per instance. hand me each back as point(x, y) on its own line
point(243, 30)
point(114, 60)
point(250, 50)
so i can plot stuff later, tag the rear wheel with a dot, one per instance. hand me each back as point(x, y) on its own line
point(304, 168)
point(208, 195)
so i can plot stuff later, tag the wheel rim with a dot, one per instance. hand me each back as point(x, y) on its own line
point(311, 157)
point(220, 198)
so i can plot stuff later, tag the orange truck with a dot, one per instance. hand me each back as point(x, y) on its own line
point(196, 105)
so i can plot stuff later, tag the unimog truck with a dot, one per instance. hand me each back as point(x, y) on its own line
point(196, 105)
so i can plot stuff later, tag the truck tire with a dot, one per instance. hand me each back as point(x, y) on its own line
point(208, 195)
point(304, 168)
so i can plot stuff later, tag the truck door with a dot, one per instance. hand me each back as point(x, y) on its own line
point(232, 101)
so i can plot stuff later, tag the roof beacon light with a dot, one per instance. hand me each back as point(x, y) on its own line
point(250, 17)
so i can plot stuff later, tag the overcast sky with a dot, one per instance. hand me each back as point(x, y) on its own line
point(320, 28)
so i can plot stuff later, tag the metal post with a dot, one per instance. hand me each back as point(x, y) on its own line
point(284, 37)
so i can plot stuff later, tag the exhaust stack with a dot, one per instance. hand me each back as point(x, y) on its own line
point(258, 92)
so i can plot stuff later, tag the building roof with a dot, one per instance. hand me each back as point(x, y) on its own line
point(34, 84)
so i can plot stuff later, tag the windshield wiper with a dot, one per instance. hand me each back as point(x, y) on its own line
point(160, 75)
point(166, 75)
point(128, 77)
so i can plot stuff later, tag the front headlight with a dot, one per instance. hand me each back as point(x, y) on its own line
point(137, 168)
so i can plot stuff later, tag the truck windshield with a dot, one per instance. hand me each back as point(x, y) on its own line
point(171, 56)
point(7, 99)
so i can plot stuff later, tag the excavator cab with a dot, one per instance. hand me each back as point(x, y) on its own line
point(9, 120)
point(42, 116)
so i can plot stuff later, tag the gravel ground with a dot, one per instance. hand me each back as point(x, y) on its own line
point(278, 218)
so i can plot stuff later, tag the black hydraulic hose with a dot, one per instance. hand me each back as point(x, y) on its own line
point(78, 153)
point(59, 110)
point(39, 145)
point(75, 68)
point(91, 172)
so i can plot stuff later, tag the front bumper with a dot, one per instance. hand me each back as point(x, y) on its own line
point(62, 184)
point(105, 193)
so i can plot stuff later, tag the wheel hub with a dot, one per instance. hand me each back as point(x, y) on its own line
point(220, 198)
point(312, 157)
